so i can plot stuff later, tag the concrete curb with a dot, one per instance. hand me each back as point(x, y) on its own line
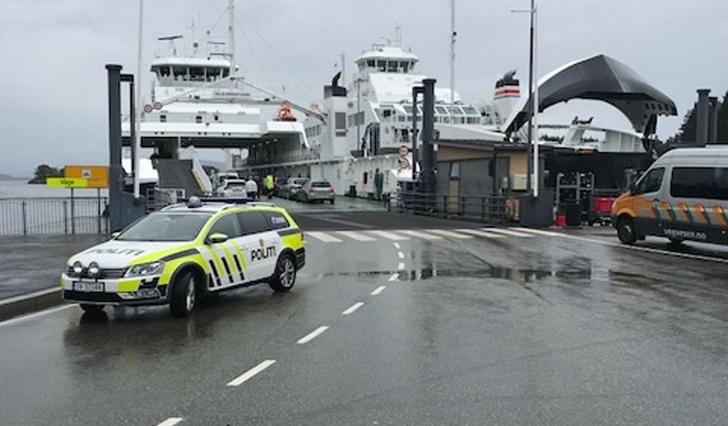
point(29, 303)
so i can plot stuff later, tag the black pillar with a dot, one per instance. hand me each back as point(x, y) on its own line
point(415, 92)
point(713, 106)
point(428, 135)
point(701, 115)
point(115, 174)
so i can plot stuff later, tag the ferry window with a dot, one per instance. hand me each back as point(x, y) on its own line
point(225, 72)
point(382, 65)
point(370, 63)
point(392, 66)
point(162, 118)
point(412, 65)
point(700, 182)
point(405, 66)
point(197, 74)
point(213, 74)
point(340, 118)
point(440, 110)
point(180, 73)
point(650, 182)
point(470, 110)
point(162, 71)
point(198, 119)
point(408, 109)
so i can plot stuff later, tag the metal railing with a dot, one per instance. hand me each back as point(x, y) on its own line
point(53, 216)
point(488, 209)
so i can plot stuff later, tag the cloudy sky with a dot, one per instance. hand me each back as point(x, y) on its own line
point(52, 77)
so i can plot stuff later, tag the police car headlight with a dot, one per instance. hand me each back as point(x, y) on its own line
point(77, 268)
point(153, 268)
point(93, 269)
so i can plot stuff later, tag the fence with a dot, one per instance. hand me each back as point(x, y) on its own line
point(39, 216)
point(488, 209)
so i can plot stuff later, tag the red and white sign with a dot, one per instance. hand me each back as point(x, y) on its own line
point(403, 151)
point(157, 105)
point(148, 108)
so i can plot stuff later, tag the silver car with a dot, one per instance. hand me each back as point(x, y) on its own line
point(291, 188)
point(316, 190)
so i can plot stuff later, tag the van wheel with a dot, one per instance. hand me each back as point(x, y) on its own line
point(284, 275)
point(625, 231)
point(184, 295)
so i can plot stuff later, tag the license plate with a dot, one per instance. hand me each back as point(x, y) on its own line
point(88, 286)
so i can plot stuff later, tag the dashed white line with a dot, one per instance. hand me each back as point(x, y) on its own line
point(378, 290)
point(356, 236)
point(508, 232)
point(171, 421)
point(394, 277)
point(312, 335)
point(351, 309)
point(27, 296)
point(400, 255)
point(450, 234)
point(539, 232)
point(389, 235)
point(322, 236)
point(420, 234)
point(397, 246)
point(479, 233)
point(36, 314)
point(250, 373)
point(400, 267)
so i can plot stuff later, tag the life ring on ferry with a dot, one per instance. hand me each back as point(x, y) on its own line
point(285, 113)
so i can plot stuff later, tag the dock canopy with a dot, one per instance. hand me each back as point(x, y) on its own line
point(598, 78)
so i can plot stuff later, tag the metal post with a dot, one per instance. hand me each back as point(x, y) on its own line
point(701, 116)
point(415, 92)
point(132, 124)
point(529, 167)
point(534, 64)
point(25, 219)
point(65, 217)
point(73, 214)
point(428, 131)
point(98, 210)
point(137, 104)
point(115, 184)
point(713, 119)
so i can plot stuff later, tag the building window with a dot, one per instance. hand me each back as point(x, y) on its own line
point(455, 170)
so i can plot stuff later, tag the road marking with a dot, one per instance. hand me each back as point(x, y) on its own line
point(322, 236)
point(508, 232)
point(27, 296)
point(400, 267)
point(171, 421)
point(394, 277)
point(252, 372)
point(389, 235)
point(312, 335)
point(378, 290)
point(356, 236)
point(648, 249)
point(419, 234)
point(36, 314)
point(449, 234)
point(353, 308)
point(479, 233)
point(539, 232)
point(400, 255)
point(397, 246)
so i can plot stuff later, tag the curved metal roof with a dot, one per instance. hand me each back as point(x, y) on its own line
point(599, 78)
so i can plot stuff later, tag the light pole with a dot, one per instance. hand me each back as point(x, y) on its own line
point(138, 104)
point(533, 154)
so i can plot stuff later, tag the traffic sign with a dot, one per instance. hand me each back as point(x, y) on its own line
point(148, 108)
point(67, 182)
point(97, 176)
point(157, 105)
point(403, 151)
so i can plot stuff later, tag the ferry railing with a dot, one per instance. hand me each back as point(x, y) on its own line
point(53, 216)
point(493, 209)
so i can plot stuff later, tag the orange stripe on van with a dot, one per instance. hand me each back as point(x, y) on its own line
point(700, 214)
point(719, 213)
point(683, 212)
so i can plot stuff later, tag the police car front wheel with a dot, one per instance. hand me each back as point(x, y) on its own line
point(184, 295)
point(284, 275)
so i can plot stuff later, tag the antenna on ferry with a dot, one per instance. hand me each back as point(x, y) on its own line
point(231, 35)
point(453, 35)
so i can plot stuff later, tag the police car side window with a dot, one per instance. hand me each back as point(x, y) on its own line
point(252, 222)
point(227, 225)
point(276, 220)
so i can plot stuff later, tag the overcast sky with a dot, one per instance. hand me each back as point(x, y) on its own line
point(52, 77)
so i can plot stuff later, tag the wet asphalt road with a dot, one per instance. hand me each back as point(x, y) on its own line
point(538, 329)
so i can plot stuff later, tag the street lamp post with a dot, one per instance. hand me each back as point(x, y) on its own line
point(138, 104)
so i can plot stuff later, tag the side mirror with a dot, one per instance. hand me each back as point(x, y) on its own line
point(217, 238)
point(115, 234)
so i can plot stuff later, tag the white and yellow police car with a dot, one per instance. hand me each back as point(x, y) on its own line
point(186, 251)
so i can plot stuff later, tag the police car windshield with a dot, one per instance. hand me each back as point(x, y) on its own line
point(166, 227)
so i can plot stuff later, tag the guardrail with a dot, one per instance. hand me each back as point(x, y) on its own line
point(53, 216)
point(489, 209)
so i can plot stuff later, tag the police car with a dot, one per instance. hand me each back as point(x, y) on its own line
point(186, 251)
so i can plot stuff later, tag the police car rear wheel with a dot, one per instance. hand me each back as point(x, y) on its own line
point(183, 297)
point(285, 274)
point(92, 309)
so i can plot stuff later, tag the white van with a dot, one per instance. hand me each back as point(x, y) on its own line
point(683, 196)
